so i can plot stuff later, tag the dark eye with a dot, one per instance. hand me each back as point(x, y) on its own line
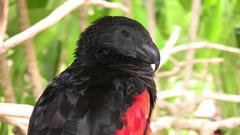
point(104, 51)
point(125, 33)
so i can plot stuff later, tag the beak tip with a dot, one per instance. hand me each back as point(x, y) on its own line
point(153, 66)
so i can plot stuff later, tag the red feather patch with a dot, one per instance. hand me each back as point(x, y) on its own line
point(135, 118)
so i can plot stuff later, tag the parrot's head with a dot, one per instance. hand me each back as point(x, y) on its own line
point(117, 41)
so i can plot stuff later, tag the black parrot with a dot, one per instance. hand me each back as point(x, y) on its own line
point(109, 88)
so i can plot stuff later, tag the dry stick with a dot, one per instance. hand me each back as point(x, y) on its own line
point(22, 123)
point(16, 110)
point(3, 18)
point(180, 65)
point(201, 125)
point(53, 18)
point(196, 5)
point(200, 45)
point(166, 51)
point(195, 45)
point(196, 8)
point(222, 97)
point(83, 21)
point(19, 118)
point(194, 124)
point(128, 4)
point(32, 64)
point(151, 18)
point(5, 75)
point(165, 94)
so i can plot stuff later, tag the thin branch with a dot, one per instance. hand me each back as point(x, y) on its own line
point(215, 96)
point(194, 124)
point(180, 65)
point(21, 123)
point(166, 51)
point(151, 18)
point(5, 75)
point(3, 18)
point(161, 123)
point(169, 107)
point(53, 18)
point(83, 23)
point(196, 8)
point(32, 64)
point(17, 115)
point(128, 4)
point(171, 93)
point(15, 110)
point(106, 4)
point(223, 97)
point(200, 45)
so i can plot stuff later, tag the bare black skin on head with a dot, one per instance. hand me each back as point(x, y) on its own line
point(112, 63)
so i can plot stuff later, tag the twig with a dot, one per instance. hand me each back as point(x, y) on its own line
point(199, 45)
point(30, 51)
point(196, 8)
point(166, 51)
point(223, 97)
point(3, 18)
point(53, 18)
point(194, 124)
point(151, 18)
point(83, 23)
point(17, 115)
point(15, 110)
point(21, 123)
point(180, 65)
point(161, 123)
point(109, 5)
point(169, 107)
point(215, 96)
point(128, 4)
point(5, 76)
point(171, 93)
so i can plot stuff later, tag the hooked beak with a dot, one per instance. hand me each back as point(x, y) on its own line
point(150, 54)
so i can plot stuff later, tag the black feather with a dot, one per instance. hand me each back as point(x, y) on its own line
point(90, 96)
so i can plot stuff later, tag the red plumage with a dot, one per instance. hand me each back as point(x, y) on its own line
point(135, 118)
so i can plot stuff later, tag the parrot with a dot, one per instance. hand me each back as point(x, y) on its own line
point(108, 89)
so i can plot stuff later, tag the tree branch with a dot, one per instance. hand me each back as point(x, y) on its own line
point(3, 18)
point(200, 45)
point(196, 8)
point(5, 76)
point(222, 97)
point(15, 110)
point(30, 51)
point(194, 124)
point(21, 123)
point(128, 4)
point(180, 65)
point(166, 51)
point(151, 18)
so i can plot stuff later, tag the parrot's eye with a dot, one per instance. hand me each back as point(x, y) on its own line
point(125, 33)
point(104, 51)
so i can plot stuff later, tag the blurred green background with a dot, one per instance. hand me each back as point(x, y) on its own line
point(219, 23)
